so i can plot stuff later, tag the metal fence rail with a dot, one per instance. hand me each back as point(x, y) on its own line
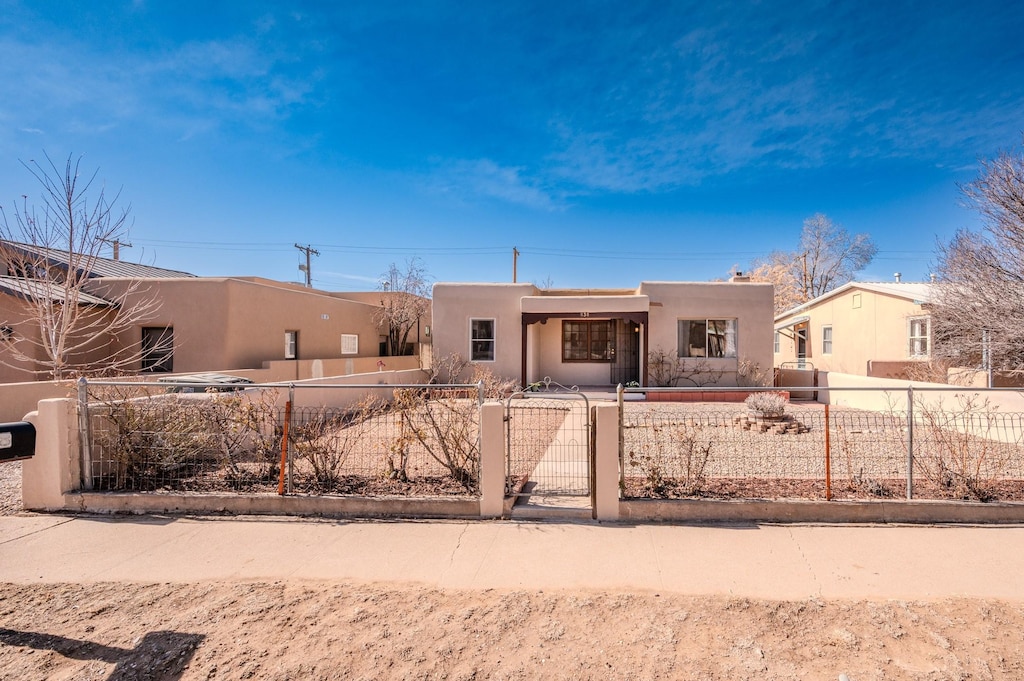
point(677, 450)
point(402, 440)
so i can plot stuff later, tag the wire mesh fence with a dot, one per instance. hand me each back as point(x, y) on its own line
point(547, 446)
point(721, 450)
point(413, 441)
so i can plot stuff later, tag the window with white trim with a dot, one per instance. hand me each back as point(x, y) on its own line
point(826, 340)
point(778, 342)
point(350, 344)
point(291, 344)
point(707, 337)
point(481, 343)
point(919, 336)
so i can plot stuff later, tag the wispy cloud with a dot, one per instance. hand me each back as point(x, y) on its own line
point(484, 179)
point(196, 86)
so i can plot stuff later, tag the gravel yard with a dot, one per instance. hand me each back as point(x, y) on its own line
point(10, 487)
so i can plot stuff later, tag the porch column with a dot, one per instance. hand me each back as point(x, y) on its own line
point(645, 353)
point(522, 381)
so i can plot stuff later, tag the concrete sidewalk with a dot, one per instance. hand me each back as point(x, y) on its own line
point(755, 561)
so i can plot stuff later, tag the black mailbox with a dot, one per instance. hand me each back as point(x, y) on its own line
point(17, 441)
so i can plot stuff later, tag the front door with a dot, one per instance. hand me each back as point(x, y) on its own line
point(801, 346)
point(625, 367)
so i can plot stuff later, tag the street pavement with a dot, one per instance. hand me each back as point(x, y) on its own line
point(754, 561)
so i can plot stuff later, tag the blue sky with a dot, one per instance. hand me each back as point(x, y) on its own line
point(610, 142)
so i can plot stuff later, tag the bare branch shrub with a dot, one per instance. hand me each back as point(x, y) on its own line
point(152, 441)
point(248, 435)
point(326, 438)
point(453, 368)
point(959, 448)
point(750, 373)
point(666, 369)
point(444, 423)
point(771, 404)
point(675, 462)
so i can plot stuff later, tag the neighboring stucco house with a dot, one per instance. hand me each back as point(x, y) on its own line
point(602, 337)
point(861, 328)
point(227, 323)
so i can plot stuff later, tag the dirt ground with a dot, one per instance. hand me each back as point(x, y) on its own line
point(398, 631)
point(331, 630)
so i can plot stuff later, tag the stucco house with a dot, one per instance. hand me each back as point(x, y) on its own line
point(603, 337)
point(230, 323)
point(196, 323)
point(873, 329)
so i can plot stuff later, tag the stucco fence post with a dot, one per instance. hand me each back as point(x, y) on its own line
point(606, 461)
point(492, 459)
point(55, 468)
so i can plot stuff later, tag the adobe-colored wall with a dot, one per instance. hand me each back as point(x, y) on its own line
point(454, 305)
point(877, 330)
point(225, 323)
point(91, 351)
point(547, 348)
point(750, 304)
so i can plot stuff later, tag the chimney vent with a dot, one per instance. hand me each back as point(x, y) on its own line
point(898, 276)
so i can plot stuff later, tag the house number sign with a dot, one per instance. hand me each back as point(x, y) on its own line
point(584, 314)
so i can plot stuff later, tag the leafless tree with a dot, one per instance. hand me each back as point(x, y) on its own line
point(65, 323)
point(828, 257)
point(404, 301)
point(977, 306)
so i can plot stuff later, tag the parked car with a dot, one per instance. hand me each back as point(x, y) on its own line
point(204, 382)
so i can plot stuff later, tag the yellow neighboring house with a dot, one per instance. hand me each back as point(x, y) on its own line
point(861, 328)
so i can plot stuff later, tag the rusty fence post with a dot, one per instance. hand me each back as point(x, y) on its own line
point(828, 456)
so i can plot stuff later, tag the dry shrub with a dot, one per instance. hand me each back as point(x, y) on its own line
point(675, 462)
point(958, 448)
point(444, 423)
point(770, 404)
point(162, 440)
point(667, 370)
point(326, 438)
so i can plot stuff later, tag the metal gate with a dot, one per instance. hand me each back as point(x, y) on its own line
point(548, 440)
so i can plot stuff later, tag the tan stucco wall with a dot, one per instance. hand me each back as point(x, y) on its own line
point(876, 331)
point(13, 314)
point(750, 304)
point(454, 305)
point(547, 349)
point(224, 324)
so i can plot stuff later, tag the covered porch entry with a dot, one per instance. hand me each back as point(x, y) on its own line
point(585, 340)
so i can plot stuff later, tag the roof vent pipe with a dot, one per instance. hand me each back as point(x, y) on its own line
point(898, 276)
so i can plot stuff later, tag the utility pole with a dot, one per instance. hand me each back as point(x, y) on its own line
point(308, 250)
point(116, 243)
point(515, 262)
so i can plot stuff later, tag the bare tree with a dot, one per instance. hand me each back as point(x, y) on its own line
point(65, 323)
point(828, 257)
point(977, 306)
point(405, 300)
